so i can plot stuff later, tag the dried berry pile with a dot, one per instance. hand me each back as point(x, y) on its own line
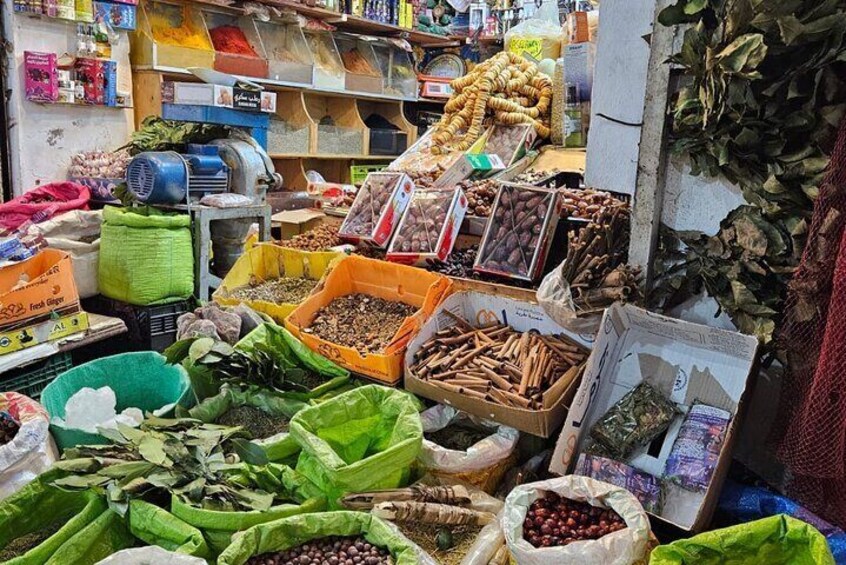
point(8, 429)
point(19, 546)
point(480, 195)
point(277, 291)
point(554, 520)
point(363, 322)
point(320, 238)
point(457, 436)
point(258, 423)
point(328, 551)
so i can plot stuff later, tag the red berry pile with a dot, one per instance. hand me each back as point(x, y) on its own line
point(554, 520)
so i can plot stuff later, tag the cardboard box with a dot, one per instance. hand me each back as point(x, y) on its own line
point(49, 287)
point(470, 166)
point(688, 362)
point(389, 217)
point(578, 69)
point(578, 29)
point(295, 222)
point(119, 16)
point(479, 308)
point(41, 79)
point(36, 334)
point(90, 73)
point(390, 281)
point(443, 235)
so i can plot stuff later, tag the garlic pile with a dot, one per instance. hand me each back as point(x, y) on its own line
point(99, 165)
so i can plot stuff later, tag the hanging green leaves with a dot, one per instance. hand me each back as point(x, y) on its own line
point(761, 106)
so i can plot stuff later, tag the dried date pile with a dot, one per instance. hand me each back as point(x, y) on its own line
point(423, 222)
point(365, 323)
point(480, 195)
point(8, 429)
point(332, 551)
point(277, 291)
point(370, 203)
point(320, 238)
point(554, 520)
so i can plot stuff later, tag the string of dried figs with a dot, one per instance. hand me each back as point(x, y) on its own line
point(507, 88)
point(332, 550)
point(423, 222)
point(554, 520)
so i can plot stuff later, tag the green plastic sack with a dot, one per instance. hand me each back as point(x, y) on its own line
point(365, 439)
point(143, 380)
point(218, 526)
point(157, 526)
point(777, 540)
point(146, 256)
point(291, 532)
point(90, 531)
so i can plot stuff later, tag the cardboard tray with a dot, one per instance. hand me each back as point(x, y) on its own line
point(480, 308)
point(692, 362)
point(50, 287)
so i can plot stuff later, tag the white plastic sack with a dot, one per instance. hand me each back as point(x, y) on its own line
point(32, 451)
point(486, 453)
point(555, 298)
point(622, 547)
point(151, 555)
point(78, 233)
point(538, 37)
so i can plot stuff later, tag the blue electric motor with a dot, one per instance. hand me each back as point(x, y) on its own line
point(168, 177)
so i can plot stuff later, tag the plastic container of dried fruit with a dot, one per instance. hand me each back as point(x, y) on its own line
point(443, 235)
point(397, 189)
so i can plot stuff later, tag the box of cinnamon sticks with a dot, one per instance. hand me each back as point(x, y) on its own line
point(497, 358)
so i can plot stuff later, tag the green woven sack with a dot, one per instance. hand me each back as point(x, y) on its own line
point(89, 531)
point(291, 532)
point(146, 256)
point(365, 439)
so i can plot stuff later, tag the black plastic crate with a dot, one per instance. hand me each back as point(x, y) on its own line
point(388, 142)
point(32, 379)
point(148, 327)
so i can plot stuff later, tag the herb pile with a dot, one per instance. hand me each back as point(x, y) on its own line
point(458, 436)
point(762, 109)
point(258, 423)
point(20, 545)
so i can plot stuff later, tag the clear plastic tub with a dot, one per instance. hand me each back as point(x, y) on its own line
point(399, 78)
point(254, 64)
point(360, 63)
point(170, 34)
point(288, 55)
point(329, 73)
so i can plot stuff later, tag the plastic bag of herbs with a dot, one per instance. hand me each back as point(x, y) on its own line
point(182, 477)
point(269, 357)
point(290, 533)
point(42, 524)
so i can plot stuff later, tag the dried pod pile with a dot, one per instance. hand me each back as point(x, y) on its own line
point(365, 323)
point(423, 223)
point(554, 520)
point(332, 550)
point(515, 231)
point(480, 195)
point(322, 237)
point(370, 203)
point(498, 364)
point(507, 88)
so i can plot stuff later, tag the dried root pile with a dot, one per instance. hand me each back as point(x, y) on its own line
point(507, 88)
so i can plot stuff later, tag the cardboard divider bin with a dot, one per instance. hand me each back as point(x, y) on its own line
point(481, 309)
point(388, 281)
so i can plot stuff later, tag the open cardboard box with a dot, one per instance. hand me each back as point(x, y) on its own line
point(482, 309)
point(687, 362)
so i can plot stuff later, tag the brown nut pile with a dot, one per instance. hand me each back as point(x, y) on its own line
point(423, 223)
point(322, 237)
point(332, 551)
point(480, 195)
point(8, 429)
point(585, 204)
point(370, 203)
point(554, 520)
point(365, 323)
point(504, 141)
point(514, 231)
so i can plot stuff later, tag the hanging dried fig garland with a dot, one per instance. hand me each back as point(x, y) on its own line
point(762, 108)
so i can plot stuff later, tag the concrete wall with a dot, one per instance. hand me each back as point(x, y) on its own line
point(44, 137)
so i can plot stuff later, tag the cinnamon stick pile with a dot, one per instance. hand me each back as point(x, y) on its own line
point(498, 364)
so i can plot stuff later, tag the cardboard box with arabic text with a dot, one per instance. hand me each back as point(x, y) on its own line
point(687, 363)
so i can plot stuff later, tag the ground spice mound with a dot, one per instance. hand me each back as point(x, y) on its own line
point(365, 323)
point(231, 39)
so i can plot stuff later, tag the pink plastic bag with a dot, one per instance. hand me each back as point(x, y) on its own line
point(42, 203)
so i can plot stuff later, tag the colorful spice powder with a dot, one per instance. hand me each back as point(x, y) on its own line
point(231, 39)
point(182, 36)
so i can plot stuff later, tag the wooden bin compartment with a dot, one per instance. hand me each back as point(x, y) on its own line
point(291, 128)
point(289, 58)
point(293, 171)
point(329, 73)
point(398, 76)
point(170, 34)
point(338, 128)
point(233, 63)
point(362, 68)
point(386, 141)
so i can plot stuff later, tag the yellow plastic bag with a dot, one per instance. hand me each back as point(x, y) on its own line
point(268, 261)
point(539, 37)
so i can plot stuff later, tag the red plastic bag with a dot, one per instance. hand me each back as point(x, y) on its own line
point(42, 203)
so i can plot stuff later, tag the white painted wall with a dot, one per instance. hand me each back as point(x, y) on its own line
point(44, 137)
